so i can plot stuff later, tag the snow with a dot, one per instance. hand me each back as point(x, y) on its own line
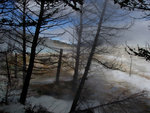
point(118, 58)
point(106, 81)
point(140, 73)
point(13, 108)
point(102, 81)
point(52, 104)
point(140, 83)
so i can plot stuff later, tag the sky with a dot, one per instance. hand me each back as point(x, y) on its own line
point(139, 33)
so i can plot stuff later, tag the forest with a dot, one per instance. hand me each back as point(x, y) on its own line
point(74, 56)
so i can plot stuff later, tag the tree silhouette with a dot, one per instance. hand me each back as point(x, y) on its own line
point(134, 4)
point(140, 52)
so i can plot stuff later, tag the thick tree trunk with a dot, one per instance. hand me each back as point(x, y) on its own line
point(59, 66)
point(24, 40)
point(77, 59)
point(32, 56)
point(78, 93)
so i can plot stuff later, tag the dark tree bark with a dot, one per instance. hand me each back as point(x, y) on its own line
point(9, 79)
point(8, 70)
point(24, 40)
point(59, 66)
point(77, 59)
point(16, 66)
point(78, 93)
point(6, 94)
point(32, 55)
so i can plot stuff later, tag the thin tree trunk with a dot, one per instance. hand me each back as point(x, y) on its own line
point(6, 94)
point(8, 70)
point(77, 59)
point(130, 72)
point(32, 56)
point(78, 93)
point(59, 66)
point(8, 78)
point(16, 66)
point(24, 40)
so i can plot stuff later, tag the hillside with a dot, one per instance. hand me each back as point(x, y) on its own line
point(54, 44)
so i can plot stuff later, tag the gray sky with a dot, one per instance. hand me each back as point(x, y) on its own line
point(139, 33)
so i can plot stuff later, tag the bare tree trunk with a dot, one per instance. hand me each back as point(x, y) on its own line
point(78, 93)
point(77, 59)
point(6, 94)
point(130, 72)
point(8, 70)
point(59, 66)
point(8, 78)
point(24, 40)
point(16, 66)
point(32, 55)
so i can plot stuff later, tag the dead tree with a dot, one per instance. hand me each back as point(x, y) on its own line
point(24, 39)
point(32, 55)
point(77, 58)
point(40, 22)
point(59, 66)
point(45, 22)
point(78, 93)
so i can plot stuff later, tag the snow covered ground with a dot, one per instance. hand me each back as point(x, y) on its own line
point(138, 80)
point(102, 82)
point(48, 102)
